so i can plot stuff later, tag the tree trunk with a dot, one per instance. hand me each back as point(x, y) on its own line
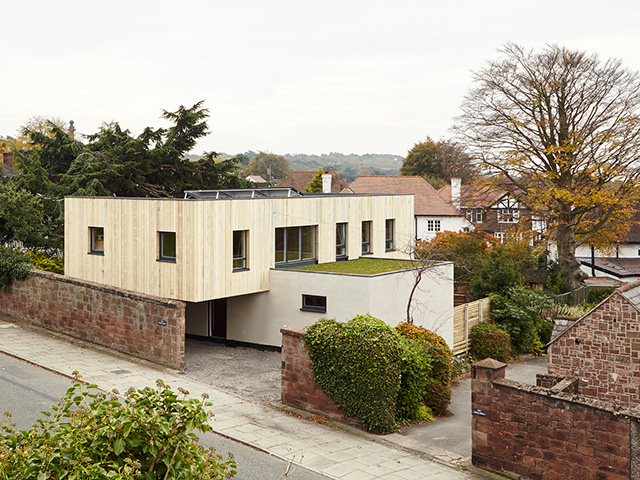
point(569, 265)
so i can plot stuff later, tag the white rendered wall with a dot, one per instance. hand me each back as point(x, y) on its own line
point(258, 318)
point(451, 224)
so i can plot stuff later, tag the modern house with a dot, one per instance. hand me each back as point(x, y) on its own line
point(432, 213)
point(230, 254)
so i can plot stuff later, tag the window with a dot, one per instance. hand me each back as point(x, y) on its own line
point(167, 246)
point(314, 303)
point(508, 215)
point(500, 236)
point(389, 227)
point(96, 240)
point(341, 240)
point(240, 250)
point(366, 238)
point(470, 215)
point(433, 225)
point(295, 244)
point(479, 215)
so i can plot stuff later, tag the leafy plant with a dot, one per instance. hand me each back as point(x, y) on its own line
point(519, 312)
point(14, 265)
point(358, 365)
point(147, 436)
point(488, 340)
point(597, 295)
point(416, 370)
point(43, 262)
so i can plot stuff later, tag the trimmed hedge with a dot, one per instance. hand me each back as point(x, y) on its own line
point(437, 386)
point(358, 365)
point(488, 340)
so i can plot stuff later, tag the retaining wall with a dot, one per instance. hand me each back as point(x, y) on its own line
point(549, 433)
point(148, 327)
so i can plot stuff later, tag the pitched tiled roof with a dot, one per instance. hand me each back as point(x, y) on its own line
point(301, 180)
point(619, 267)
point(427, 200)
point(8, 171)
point(475, 195)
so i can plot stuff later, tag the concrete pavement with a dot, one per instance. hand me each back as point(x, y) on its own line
point(334, 452)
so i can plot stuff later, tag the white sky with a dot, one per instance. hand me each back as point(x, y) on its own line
point(349, 76)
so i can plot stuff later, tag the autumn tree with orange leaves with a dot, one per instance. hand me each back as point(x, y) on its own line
point(564, 127)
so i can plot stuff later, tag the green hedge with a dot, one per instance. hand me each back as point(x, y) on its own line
point(358, 365)
point(14, 265)
point(488, 340)
point(43, 262)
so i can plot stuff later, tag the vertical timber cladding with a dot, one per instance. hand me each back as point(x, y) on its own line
point(204, 232)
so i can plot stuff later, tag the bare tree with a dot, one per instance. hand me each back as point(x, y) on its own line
point(564, 127)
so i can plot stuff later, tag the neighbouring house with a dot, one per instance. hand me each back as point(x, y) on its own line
point(432, 213)
point(491, 209)
point(7, 165)
point(230, 255)
point(602, 349)
point(331, 181)
point(255, 179)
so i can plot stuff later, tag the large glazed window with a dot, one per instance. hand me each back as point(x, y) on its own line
point(341, 240)
point(96, 240)
point(366, 238)
point(167, 246)
point(295, 244)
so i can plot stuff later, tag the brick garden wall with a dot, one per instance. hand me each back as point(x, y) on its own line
point(148, 327)
point(549, 434)
point(603, 349)
point(299, 387)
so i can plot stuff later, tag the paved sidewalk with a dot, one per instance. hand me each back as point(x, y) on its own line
point(336, 453)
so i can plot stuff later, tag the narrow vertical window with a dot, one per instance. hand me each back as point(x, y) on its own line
point(167, 246)
point(96, 240)
point(240, 250)
point(366, 237)
point(341, 241)
point(389, 234)
point(479, 215)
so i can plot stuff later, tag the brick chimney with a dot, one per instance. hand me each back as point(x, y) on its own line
point(7, 159)
point(71, 130)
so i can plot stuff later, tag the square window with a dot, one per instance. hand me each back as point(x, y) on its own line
point(341, 240)
point(366, 238)
point(167, 246)
point(314, 303)
point(96, 240)
point(433, 225)
point(240, 250)
point(389, 234)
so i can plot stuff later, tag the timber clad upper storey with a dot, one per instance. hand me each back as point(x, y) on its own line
point(203, 249)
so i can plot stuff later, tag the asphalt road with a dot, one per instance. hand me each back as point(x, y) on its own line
point(27, 390)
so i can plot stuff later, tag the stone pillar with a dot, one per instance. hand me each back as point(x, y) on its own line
point(483, 373)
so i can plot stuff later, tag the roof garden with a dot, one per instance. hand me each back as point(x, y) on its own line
point(361, 266)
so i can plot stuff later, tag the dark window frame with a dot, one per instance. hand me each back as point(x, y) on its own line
point(162, 254)
point(390, 234)
point(93, 241)
point(314, 303)
point(240, 262)
point(341, 248)
point(367, 247)
point(287, 233)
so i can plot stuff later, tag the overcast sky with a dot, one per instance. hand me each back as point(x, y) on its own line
point(296, 76)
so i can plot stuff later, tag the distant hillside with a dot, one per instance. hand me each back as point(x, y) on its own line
point(348, 167)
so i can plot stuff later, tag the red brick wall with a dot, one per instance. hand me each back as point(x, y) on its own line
point(299, 387)
point(119, 319)
point(607, 357)
point(543, 435)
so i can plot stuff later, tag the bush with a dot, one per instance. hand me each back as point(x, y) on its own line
point(597, 295)
point(544, 332)
point(414, 375)
point(149, 435)
point(488, 340)
point(519, 312)
point(14, 265)
point(43, 262)
point(437, 394)
point(358, 365)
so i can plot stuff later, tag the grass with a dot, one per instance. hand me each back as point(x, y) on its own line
point(361, 266)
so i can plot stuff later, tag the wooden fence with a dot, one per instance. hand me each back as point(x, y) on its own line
point(464, 318)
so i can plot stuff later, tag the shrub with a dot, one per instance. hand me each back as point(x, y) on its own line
point(544, 332)
point(43, 262)
point(96, 435)
point(488, 340)
point(597, 295)
point(14, 265)
point(415, 372)
point(519, 312)
point(358, 365)
point(440, 357)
